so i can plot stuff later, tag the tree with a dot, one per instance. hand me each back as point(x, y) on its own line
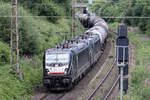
point(28, 32)
point(50, 9)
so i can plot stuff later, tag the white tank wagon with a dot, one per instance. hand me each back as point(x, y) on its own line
point(100, 22)
point(96, 26)
point(83, 17)
point(102, 33)
point(91, 20)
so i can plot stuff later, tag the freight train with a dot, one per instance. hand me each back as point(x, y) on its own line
point(66, 64)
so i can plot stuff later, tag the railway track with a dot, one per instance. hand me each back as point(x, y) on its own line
point(61, 96)
point(44, 96)
point(106, 96)
point(53, 96)
point(114, 34)
point(102, 81)
point(111, 89)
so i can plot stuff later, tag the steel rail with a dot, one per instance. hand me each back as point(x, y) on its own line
point(43, 97)
point(61, 96)
point(102, 81)
point(110, 91)
point(57, 97)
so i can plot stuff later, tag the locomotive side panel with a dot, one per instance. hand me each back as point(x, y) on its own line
point(74, 67)
point(83, 61)
point(96, 50)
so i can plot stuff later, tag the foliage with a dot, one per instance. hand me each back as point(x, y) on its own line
point(27, 30)
point(4, 53)
point(140, 74)
point(125, 8)
point(114, 26)
point(36, 34)
point(148, 28)
point(49, 8)
point(14, 89)
point(65, 4)
point(4, 23)
point(83, 1)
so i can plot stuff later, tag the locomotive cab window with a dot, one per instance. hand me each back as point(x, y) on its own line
point(82, 58)
point(97, 46)
point(57, 60)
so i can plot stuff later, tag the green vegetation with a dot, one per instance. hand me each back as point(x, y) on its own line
point(12, 88)
point(4, 53)
point(83, 1)
point(38, 31)
point(140, 76)
point(125, 9)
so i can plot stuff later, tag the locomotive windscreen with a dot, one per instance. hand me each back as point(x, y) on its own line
point(57, 63)
point(57, 58)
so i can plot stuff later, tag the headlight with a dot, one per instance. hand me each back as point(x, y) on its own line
point(66, 81)
point(46, 81)
point(66, 70)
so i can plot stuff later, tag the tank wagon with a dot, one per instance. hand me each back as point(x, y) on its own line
point(66, 64)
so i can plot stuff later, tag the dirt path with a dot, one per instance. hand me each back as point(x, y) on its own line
point(145, 38)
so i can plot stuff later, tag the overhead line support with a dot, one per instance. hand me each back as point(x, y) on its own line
point(14, 40)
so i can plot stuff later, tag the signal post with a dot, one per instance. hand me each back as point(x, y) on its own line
point(122, 57)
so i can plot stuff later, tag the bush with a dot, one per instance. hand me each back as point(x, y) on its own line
point(36, 33)
point(148, 28)
point(47, 7)
point(138, 87)
point(12, 88)
point(29, 30)
point(4, 53)
point(121, 8)
point(52, 10)
point(4, 22)
point(139, 75)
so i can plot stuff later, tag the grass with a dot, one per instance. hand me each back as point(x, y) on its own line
point(11, 88)
point(106, 86)
point(138, 88)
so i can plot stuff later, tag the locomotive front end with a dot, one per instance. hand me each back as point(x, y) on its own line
point(56, 71)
